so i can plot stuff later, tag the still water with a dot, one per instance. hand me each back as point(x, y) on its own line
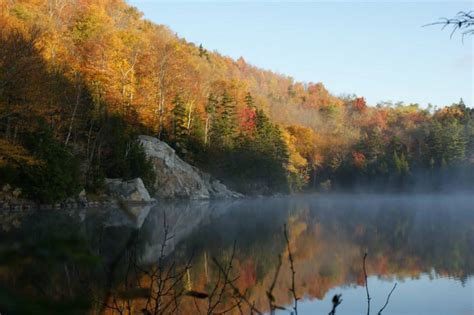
point(215, 257)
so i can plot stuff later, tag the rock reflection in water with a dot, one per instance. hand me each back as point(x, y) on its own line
point(58, 258)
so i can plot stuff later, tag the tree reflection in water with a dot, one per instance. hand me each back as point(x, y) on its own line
point(111, 262)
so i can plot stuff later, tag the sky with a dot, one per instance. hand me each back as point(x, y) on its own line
point(379, 50)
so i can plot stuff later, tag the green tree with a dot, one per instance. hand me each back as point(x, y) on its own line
point(249, 101)
point(224, 127)
point(56, 178)
point(401, 164)
point(180, 131)
point(445, 143)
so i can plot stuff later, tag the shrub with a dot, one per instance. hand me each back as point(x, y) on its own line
point(55, 178)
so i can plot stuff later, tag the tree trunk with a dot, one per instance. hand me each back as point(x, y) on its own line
point(76, 105)
point(160, 116)
point(190, 113)
point(7, 129)
point(206, 130)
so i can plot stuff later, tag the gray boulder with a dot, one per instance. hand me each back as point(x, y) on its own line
point(218, 190)
point(178, 179)
point(131, 190)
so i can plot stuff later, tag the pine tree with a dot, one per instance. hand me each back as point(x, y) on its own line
point(446, 143)
point(454, 142)
point(201, 51)
point(223, 129)
point(401, 164)
point(249, 100)
point(272, 152)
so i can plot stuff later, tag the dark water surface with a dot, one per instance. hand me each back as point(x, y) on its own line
point(91, 261)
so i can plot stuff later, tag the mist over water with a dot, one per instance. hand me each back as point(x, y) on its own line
point(423, 242)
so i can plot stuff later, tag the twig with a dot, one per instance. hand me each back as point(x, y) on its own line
point(293, 272)
point(388, 299)
point(227, 281)
point(366, 285)
point(236, 291)
point(271, 298)
point(463, 21)
point(197, 306)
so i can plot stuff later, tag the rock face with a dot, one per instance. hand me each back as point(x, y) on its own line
point(131, 190)
point(177, 179)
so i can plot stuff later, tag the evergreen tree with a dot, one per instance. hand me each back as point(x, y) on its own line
point(201, 51)
point(180, 131)
point(224, 127)
point(249, 100)
point(273, 149)
point(401, 164)
point(195, 145)
point(446, 143)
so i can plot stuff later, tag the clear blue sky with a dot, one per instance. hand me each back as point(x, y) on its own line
point(374, 49)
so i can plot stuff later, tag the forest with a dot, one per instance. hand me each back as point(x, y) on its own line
point(80, 80)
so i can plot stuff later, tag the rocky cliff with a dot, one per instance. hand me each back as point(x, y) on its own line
point(178, 179)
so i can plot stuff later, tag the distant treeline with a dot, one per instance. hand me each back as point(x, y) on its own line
point(79, 80)
point(432, 155)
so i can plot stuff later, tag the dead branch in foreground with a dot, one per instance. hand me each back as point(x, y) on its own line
point(367, 290)
point(462, 22)
point(293, 272)
point(270, 297)
point(366, 284)
point(167, 286)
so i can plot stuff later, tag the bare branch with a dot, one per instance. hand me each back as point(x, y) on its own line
point(293, 272)
point(227, 281)
point(271, 298)
point(462, 22)
point(366, 284)
point(237, 294)
point(388, 299)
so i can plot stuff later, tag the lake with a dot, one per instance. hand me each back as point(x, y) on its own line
point(213, 257)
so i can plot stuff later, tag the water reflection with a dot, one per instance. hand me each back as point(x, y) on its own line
point(423, 295)
point(81, 260)
point(405, 237)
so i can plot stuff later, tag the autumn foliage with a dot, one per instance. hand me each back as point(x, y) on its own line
point(75, 67)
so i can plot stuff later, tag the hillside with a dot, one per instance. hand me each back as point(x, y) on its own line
point(80, 80)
